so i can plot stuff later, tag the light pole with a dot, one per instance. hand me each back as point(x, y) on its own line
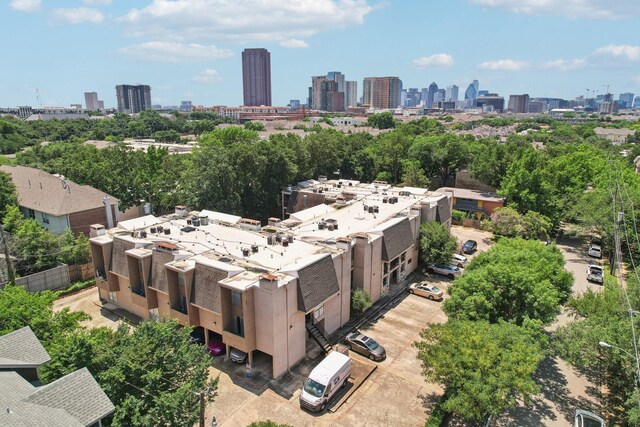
point(604, 344)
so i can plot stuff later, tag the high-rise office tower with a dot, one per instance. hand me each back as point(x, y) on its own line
point(476, 84)
point(381, 92)
point(519, 103)
point(316, 101)
point(91, 101)
point(626, 99)
point(351, 93)
point(133, 98)
point(433, 88)
point(338, 77)
point(471, 94)
point(451, 93)
point(256, 76)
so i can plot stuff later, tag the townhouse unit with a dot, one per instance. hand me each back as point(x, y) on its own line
point(262, 290)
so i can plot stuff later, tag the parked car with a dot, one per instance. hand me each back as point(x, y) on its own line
point(197, 336)
point(365, 346)
point(459, 260)
point(595, 273)
point(469, 247)
point(237, 356)
point(595, 250)
point(426, 290)
point(216, 347)
point(450, 271)
point(587, 419)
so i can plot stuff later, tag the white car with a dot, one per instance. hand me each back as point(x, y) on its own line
point(595, 251)
point(595, 273)
point(459, 260)
point(450, 271)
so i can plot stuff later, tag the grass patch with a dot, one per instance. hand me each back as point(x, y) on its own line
point(77, 286)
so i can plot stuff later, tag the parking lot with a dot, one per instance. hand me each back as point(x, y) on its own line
point(395, 393)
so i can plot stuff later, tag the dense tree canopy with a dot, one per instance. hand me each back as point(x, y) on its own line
point(436, 244)
point(515, 280)
point(483, 367)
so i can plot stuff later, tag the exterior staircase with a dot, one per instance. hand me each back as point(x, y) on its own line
point(318, 336)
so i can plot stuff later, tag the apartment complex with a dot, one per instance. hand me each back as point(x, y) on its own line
point(256, 77)
point(133, 98)
point(381, 92)
point(262, 289)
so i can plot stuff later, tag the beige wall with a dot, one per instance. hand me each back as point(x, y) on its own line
point(367, 272)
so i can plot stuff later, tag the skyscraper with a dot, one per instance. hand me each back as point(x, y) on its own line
point(91, 101)
point(381, 92)
point(519, 103)
point(452, 93)
point(316, 101)
point(471, 94)
point(626, 99)
point(433, 88)
point(351, 94)
point(256, 77)
point(133, 98)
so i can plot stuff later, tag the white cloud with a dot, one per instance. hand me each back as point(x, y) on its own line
point(208, 76)
point(25, 5)
point(78, 15)
point(565, 64)
point(294, 44)
point(242, 21)
point(576, 9)
point(503, 65)
point(159, 51)
point(433, 61)
point(629, 52)
point(96, 2)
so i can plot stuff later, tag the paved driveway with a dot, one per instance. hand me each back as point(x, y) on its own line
point(395, 394)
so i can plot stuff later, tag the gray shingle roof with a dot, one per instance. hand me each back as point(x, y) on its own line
point(41, 191)
point(206, 291)
point(396, 239)
point(78, 394)
point(158, 270)
point(21, 349)
point(316, 283)
point(119, 263)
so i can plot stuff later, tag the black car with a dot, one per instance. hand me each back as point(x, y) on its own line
point(365, 346)
point(469, 247)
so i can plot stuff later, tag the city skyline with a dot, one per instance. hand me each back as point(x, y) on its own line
point(92, 45)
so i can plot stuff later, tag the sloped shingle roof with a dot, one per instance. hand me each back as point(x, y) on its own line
point(316, 283)
point(206, 290)
point(119, 263)
point(21, 349)
point(41, 191)
point(158, 278)
point(396, 239)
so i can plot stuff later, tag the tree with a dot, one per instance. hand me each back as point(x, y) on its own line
point(34, 247)
point(151, 373)
point(255, 126)
point(360, 300)
point(516, 280)
point(413, 174)
point(508, 222)
point(8, 195)
point(483, 367)
point(381, 120)
point(442, 155)
point(74, 249)
point(436, 244)
point(20, 308)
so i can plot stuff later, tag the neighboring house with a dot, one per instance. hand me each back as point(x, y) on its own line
point(616, 136)
point(57, 203)
point(75, 400)
point(477, 203)
point(265, 290)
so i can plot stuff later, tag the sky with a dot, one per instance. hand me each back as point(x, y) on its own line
point(191, 49)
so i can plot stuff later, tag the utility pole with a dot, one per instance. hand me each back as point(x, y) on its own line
point(10, 272)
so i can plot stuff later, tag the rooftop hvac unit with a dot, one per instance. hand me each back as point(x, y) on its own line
point(385, 199)
point(365, 207)
point(160, 229)
point(143, 234)
point(254, 248)
point(331, 227)
point(196, 222)
point(376, 209)
point(270, 240)
point(189, 221)
point(370, 210)
point(153, 230)
point(321, 225)
point(245, 252)
point(204, 220)
point(278, 238)
point(290, 238)
point(167, 231)
point(285, 242)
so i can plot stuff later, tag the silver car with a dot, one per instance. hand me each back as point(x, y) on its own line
point(451, 271)
point(587, 419)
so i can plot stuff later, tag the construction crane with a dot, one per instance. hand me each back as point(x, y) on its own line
point(587, 93)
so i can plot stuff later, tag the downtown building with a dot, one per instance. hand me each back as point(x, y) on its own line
point(381, 93)
point(133, 99)
point(266, 290)
point(256, 77)
point(519, 103)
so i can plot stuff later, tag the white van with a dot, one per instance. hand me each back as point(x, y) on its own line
point(324, 381)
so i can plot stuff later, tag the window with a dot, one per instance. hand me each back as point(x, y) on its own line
point(45, 218)
point(239, 326)
point(235, 298)
point(32, 214)
point(318, 313)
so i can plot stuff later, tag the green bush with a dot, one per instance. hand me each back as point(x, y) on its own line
point(437, 415)
point(78, 286)
point(360, 300)
point(458, 215)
